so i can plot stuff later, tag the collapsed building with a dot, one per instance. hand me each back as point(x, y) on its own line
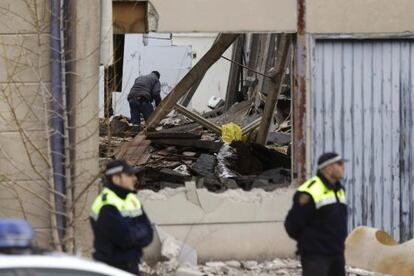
point(209, 146)
point(350, 91)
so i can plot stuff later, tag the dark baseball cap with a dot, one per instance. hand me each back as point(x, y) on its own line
point(120, 166)
point(329, 158)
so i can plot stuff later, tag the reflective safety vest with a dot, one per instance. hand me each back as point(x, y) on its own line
point(321, 195)
point(128, 207)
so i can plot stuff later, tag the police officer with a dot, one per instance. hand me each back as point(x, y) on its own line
point(120, 226)
point(318, 219)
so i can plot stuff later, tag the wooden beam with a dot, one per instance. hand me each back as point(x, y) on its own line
point(198, 119)
point(203, 145)
point(252, 126)
point(187, 98)
point(219, 47)
point(275, 84)
point(234, 74)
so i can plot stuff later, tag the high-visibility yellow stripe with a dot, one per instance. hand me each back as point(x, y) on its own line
point(321, 195)
point(128, 207)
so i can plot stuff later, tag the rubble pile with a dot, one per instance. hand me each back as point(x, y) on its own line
point(177, 144)
point(179, 150)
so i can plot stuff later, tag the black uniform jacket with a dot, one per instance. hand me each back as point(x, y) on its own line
point(119, 239)
point(318, 231)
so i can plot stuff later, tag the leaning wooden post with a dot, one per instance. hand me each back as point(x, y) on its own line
point(277, 76)
point(219, 47)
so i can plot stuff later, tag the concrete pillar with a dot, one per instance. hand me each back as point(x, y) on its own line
point(84, 47)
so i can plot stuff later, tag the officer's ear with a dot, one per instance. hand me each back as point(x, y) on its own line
point(116, 179)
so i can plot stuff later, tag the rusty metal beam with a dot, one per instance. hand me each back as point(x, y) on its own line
point(219, 47)
point(299, 96)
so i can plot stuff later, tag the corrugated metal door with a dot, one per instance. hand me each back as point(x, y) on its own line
point(361, 106)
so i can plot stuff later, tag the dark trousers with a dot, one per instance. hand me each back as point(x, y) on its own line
point(319, 265)
point(131, 267)
point(140, 107)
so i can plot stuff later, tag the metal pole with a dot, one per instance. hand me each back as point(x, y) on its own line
point(56, 117)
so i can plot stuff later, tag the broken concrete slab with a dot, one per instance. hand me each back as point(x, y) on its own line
point(188, 271)
point(276, 176)
point(279, 138)
point(205, 164)
point(175, 250)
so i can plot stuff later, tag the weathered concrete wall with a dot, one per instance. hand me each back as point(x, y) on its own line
point(355, 16)
point(232, 225)
point(335, 16)
point(24, 93)
point(24, 84)
point(229, 15)
point(84, 91)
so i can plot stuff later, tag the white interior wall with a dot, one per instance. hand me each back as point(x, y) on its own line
point(215, 81)
point(146, 53)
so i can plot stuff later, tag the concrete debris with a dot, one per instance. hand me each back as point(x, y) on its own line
point(251, 265)
point(233, 264)
point(215, 102)
point(178, 258)
point(187, 271)
point(204, 166)
point(174, 119)
point(183, 170)
point(181, 151)
point(270, 268)
point(279, 138)
point(277, 267)
point(117, 126)
point(108, 146)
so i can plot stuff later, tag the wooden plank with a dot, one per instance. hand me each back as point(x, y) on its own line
point(215, 52)
point(252, 126)
point(234, 74)
point(173, 135)
point(124, 148)
point(197, 118)
point(203, 145)
point(135, 154)
point(278, 75)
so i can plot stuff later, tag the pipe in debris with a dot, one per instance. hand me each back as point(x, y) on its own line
point(56, 117)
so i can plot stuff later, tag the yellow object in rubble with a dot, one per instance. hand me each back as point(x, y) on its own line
point(231, 132)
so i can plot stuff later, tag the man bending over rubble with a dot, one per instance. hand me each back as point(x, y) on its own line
point(146, 89)
point(318, 219)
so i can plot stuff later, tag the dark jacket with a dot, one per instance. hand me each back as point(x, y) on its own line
point(321, 231)
point(120, 239)
point(146, 87)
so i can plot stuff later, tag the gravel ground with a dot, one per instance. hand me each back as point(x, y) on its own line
point(277, 267)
